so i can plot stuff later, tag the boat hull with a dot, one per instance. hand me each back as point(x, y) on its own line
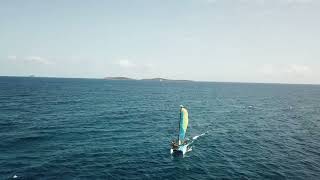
point(181, 149)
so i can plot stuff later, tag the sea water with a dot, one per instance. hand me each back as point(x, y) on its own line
point(53, 128)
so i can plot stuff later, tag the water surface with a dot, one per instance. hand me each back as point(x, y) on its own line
point(53, 128)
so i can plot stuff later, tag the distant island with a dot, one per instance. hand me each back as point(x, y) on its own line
point(151, 79)
point(118, 78)
point(156, 79)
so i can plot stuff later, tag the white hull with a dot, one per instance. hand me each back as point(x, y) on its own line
point(181, 149)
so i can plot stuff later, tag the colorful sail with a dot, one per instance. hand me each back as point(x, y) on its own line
point(183, 124)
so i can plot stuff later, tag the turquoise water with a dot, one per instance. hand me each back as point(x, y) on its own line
point(54, 128)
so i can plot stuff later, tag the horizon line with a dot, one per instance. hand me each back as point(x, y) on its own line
point(187, 80)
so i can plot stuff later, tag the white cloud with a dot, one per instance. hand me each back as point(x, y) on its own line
point(149, 65)
point(299, 1)
point(126, 63)
point(267, 69)
point(137, 69)
point(30, 59)
point(12, 57)
point(298, 69)
point(38, 60)
point(211, 1)
point(264, 1)
point(285, 69)
point(287, 73)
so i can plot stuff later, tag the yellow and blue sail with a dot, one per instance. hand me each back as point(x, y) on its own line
point(183, 124)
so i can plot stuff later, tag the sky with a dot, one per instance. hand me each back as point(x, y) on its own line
point(270, 41)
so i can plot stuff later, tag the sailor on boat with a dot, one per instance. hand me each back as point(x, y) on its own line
point(181, 145)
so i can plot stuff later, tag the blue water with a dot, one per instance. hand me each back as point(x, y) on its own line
point(53, 128)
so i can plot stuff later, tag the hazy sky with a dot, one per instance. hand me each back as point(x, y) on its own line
point(215, 40)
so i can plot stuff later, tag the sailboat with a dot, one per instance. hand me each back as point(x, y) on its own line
point(181, 145)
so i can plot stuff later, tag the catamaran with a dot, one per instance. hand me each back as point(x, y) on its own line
point(181, 145)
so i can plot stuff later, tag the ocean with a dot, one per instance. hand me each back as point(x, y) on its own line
point(59, 128)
